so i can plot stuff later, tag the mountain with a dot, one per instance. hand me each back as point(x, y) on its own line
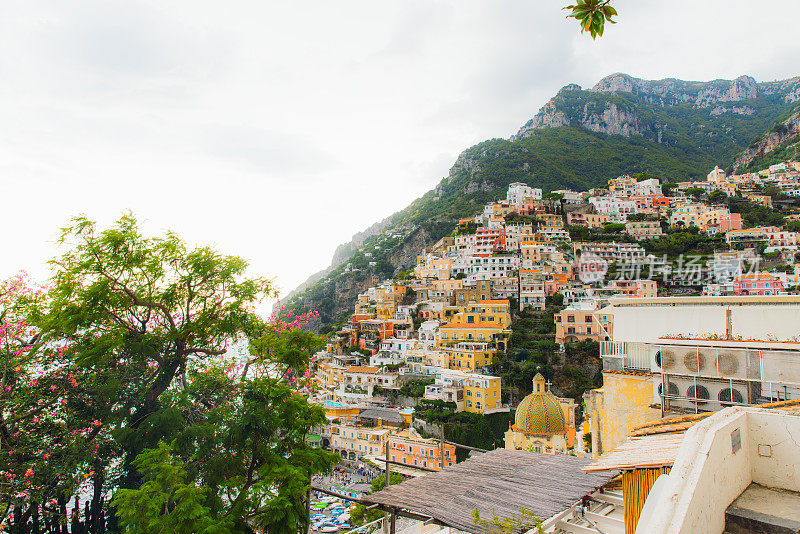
point(779, 144)
point(673, 129)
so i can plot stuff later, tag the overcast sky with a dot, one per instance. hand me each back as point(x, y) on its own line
point(277, 129)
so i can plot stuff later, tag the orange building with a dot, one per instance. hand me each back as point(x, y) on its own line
point(408, 448)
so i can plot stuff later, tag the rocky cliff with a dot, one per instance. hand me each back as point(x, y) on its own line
point(783, 133)
point(624, 105)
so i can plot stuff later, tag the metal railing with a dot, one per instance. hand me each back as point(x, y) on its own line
point(622, 355)
point(365, 526)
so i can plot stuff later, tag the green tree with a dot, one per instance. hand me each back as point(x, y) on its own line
point(668, 187)
point(717, 197)
point(695, 192)
point(360, 514)
point(125, 354)
point(592, 15)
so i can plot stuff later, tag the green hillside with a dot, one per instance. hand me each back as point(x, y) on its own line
point(674, 130)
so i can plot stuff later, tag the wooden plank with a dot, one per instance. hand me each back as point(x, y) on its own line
point(500, 481)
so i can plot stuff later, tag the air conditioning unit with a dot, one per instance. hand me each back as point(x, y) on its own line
point(672, 389)
point(705, 394)
point(732, 363)
point(655, 359)
point(669, 358)
point(691, 361)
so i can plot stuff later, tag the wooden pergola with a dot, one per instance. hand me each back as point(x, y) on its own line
point(499, 482)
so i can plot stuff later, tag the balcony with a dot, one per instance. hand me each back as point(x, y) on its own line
point(624, 355)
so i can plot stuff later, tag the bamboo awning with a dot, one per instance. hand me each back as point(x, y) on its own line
point(500, 482)
point(640, 452)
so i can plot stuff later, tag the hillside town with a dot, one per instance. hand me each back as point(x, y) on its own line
point(680, 334)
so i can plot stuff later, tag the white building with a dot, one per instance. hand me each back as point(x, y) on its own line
point(427, 335)
point(519, 191)
point(735, 471)
point(651, 186)
point(484, 268)
point(569, 196)
point(616, 209)
point(706, 353)
point(531, 290)
point(465, 244)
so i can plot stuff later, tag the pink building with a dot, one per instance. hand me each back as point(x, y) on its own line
point(757, 284)
point(724, 223)
point(530, 207)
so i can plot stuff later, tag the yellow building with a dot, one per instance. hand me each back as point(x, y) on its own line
point(469, 356)
point(345, 413)
point(482, 393)
point(488, 321)
point(621, 184)
point(543, 422)
point(528, 240)
point(624, 402)
point(472, 392)
point(436, 358)
point(329, 374)
point(494, 313)
point(353, 441)
point(551, 220)
point(364, 305)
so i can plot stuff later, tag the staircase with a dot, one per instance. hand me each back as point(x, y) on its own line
point(605, 515)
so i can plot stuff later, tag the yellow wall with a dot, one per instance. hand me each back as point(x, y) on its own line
point(620, 405)
point(469, 360)
point(489, 399)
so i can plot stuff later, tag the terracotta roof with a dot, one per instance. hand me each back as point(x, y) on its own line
point(357, 369)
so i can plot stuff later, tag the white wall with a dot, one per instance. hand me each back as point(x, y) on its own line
point(708, 476)
point(776, 462)
point(694, 318)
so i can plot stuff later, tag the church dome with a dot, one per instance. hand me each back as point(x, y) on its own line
point(539, 413)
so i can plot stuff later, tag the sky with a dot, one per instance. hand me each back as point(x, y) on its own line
point(275, 130)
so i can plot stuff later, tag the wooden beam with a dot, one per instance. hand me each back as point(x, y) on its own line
point(419, 467)
point(373, 506)
point(460, 446)
point(340, 495)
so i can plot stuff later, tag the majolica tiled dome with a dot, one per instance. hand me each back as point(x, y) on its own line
point(539, 413)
